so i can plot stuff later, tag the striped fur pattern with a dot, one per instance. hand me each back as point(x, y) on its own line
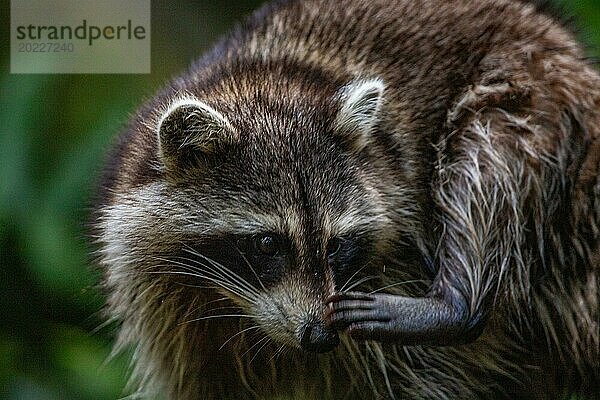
point(453, 145)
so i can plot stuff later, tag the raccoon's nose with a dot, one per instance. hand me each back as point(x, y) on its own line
point(317, 338)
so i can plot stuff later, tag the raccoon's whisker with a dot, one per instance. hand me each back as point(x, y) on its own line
point(219, 308)
point(396, 284)
point(201, 307)
point(249, 297)
point(237, 334)
point(235, 280)
point(260, 348)
point(352, 277)
point(216, 316)
point(218, 270)
point(189, 285)
point(252, 269)
point(215, 300)
point(238, 279)
point(224, 270)
point(278, 352)
point(360, 282)
point(195, 263)
point(222, 277)
point(192, 270)
point(266, 338)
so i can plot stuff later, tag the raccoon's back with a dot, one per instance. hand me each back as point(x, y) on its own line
point(426, 52)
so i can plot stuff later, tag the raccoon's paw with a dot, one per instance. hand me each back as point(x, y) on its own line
point(363, 316)
point(403, 320)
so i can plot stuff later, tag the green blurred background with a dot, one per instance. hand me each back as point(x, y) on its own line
point(54, 132)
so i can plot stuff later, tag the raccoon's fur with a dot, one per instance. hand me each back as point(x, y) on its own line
point(416, 178)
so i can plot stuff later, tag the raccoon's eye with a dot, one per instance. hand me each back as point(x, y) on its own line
point(333, 247)
point(267, 244)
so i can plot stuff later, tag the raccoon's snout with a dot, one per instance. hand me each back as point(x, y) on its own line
point(317, 338)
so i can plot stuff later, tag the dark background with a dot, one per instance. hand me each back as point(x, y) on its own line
point(54, 133)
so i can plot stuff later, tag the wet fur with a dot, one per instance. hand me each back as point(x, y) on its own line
point(482, 174)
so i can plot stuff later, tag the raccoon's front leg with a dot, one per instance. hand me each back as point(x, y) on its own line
point(385, 317)
point(479, 194)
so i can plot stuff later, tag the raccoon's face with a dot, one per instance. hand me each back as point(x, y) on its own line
point(276, 215)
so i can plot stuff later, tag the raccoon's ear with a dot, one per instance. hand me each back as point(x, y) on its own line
point(189, 131)
point(359, 113)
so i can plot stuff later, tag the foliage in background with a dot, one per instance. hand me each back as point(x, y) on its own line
point(54, 133)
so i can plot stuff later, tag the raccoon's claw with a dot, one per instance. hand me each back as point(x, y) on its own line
point(362, 315)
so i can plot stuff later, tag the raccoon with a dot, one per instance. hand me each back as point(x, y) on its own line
point(374, 200)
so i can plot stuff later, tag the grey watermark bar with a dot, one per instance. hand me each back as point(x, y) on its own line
point(80, 36)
